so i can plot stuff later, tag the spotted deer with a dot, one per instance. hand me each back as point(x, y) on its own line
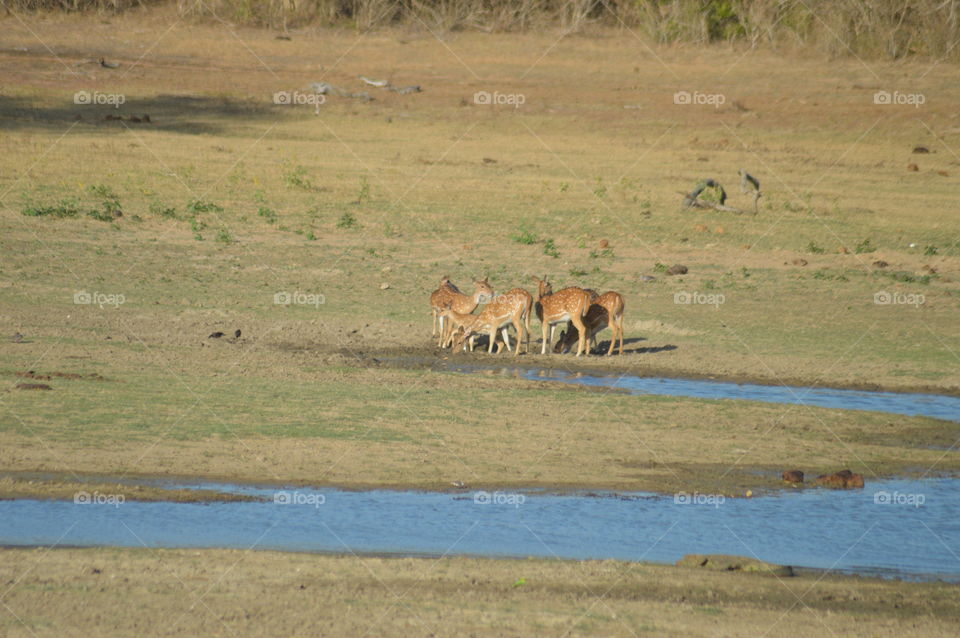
point(448, 293)
point(570, 304)
point(606, 311)
point(512, 307)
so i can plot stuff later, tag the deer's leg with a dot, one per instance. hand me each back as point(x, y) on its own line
point(543, 343)
point(582, 329)
point(620, 326)
point(612, 324)
point(506, 337)
point(443, 325)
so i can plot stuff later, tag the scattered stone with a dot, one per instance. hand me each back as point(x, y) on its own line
point(921, 149)
point(943, 173)
point(719, 230)
point(930, 270)
point(604, 243)
point(489, 160)
point(880, 264)
point(236, 334)
point(384, 286)
point(843, 250)
point(33, 386)
point(793, 476)
point(282, 37)
point(647, 279)
point(700, 228)
point(799, 261)
point(844, 479)
point(728, 563)
point(16, 338)
point(215, 335)
point(913, 168)
point(677, 269)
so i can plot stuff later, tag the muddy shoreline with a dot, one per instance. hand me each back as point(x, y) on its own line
point(428, 358)
point(148, 487)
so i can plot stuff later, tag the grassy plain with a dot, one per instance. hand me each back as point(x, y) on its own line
point(229, 199)
point(233, 593)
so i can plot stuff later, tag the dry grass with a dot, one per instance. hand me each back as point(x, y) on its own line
point(186, 592)
point(406, 188)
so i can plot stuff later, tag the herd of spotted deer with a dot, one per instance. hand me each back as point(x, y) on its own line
point(585, 312)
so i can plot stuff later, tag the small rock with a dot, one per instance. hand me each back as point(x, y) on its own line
point(489, 160)
point(843, 250)
point(880, 264)
point(647, 279)
point(384, 286)
point(943, 173)
point(700, 228)
point(793, 476)
point(237, 333)
point(604, 243)
point(921, 149)
point(913, 168)
point(930, 270)
point(719, 230)
point(799, 261)
point(677, 269)
point(215, 335)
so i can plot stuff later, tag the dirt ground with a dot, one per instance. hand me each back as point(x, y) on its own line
point(68, 592)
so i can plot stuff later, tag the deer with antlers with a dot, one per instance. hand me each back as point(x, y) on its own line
point(606, 311)
point(449, 294)
point(570, 304)
point(513, 307)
